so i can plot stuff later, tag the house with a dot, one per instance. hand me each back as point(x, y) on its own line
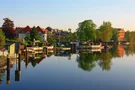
point(43, 33)
point(17, 30)
point(121, 34)
point(23, 32)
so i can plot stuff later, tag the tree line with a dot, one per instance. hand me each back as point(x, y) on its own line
point(87, 30)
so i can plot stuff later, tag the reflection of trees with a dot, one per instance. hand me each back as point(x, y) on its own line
point(33, 62)
point(105, 60)
point(114, 51)
point(86, 61)
point(2, 75)
point(130, 50)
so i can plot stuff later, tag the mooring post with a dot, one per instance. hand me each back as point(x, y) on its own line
point(8, 69)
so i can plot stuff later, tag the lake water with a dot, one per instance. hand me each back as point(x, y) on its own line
point(106, 70)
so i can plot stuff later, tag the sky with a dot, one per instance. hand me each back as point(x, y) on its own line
point(65, 14)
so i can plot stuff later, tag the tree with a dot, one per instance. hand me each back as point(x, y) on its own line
point(87, 30)
point(127, 35)
point(115, 34)
point(69, 30)
point(51, 41)
point(2, 38)
point(27, 40)
point(8, 23)
point(98, 34)
point(69, 38)
point(8, 28)
point(106, 31)
point(49, 28)
point(34, 34)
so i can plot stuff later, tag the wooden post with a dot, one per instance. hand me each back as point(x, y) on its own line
point(19, 62)
point(8, 69)
point(26, 58)
point(46, 51)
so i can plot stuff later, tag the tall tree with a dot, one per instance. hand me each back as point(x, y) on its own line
point(34, 34)
point(8, 28)
point(106, 31)
point(8, 23)
point(127, 35)
point(115, 34)
point(2, 38)
point(87, 30)
point(98, 34)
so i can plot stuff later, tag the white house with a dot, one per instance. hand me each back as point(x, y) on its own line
point(26, 31)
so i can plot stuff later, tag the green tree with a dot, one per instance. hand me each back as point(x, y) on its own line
point(130, 37)
point(69, 30)
point(87, 30)
point(98, 34)
point(68, 38)
point(106, 31)
point(127, 35)
point(27, 40)
point(51, 41)
point(34, 34)
point(2, 38)
point(115, 34)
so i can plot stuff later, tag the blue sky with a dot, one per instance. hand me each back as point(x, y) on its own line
point(64, 14)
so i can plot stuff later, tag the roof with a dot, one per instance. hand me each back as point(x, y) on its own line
point(24, 30)
point(42, 30)
point(28, 29)
point(120, 29)
point(18, 29)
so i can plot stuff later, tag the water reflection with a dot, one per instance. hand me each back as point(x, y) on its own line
point(86, 60)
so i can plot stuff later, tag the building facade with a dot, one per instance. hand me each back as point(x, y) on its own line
point(26, 31)
point(121, 34)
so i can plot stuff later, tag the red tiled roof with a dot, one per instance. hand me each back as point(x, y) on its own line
point(26, 29)
point(42, 30)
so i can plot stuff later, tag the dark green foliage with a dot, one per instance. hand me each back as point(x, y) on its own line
point(2, 38)
point(28, 40)
point(130, 37)
point(51, 41)
point(34, 34)
point(115, 34)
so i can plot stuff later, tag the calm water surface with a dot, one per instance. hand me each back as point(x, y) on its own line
point(108, 70)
